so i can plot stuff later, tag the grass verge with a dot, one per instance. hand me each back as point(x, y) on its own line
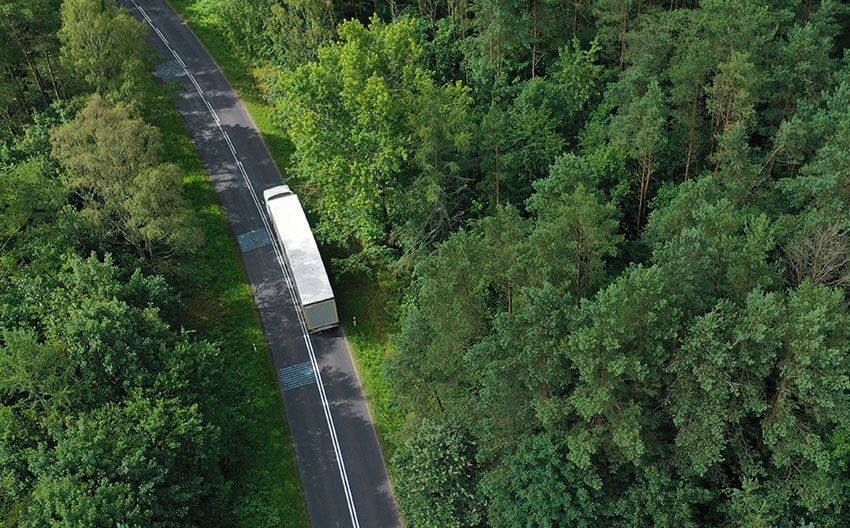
point(364, 300)
point(356, 296)
point(266, 488)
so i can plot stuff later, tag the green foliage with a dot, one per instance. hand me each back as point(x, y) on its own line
point(436, 478)
point(519, 143)
point(469, 278)
point(639, 129)
point(145, 462)
point(618, 350)
point(297, 29)
point(520, 379)
point(113, 163)
point(673, 394)
point(514, 40)
point(475, 275)
point(658, 499)
point(29, 51)
point(572, 227)
point(245, 25)
point(78, 379)
point(628, 239)
point(376, 141)
point(29, 197)
point(105, 50)
point(110, 413)
point(536, 486)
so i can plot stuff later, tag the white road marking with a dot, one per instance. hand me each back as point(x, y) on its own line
point(279, 253)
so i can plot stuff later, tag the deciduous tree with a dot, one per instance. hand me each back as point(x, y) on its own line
point(112, 159)
point(105, 50)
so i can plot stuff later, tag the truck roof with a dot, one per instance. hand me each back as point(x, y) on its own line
point(295, 234)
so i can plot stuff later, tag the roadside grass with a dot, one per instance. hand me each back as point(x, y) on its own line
point(356, 296)
point(266, 487)
point(370, 345)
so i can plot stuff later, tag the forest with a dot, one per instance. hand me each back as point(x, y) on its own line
point(119, 405)
point(613, 235)
point(617, 233)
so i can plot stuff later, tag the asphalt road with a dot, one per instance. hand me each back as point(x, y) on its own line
point(342, 471)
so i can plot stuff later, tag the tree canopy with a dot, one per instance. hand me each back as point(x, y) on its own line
point(617, 232)
point(114, 409)
point(636, 316)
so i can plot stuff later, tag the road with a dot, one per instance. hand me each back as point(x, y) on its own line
point(339, 459)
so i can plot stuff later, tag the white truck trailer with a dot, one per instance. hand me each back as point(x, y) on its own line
point(311, 279)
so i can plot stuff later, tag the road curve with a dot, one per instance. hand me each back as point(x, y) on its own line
point(339, 459)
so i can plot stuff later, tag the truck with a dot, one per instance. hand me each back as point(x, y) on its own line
point(313, 288)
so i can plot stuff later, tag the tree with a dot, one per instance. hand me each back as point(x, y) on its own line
point(629, 249)
point(105, 410)
point(36, 375)
point(521, 139)
point(537, 486)
point(655, 497)
point(690, 67)
point(612, 24)
point(366, 121)
point(469, 278)
point(144, 462)
point(519, 143)
point(297, 29)
point(731, 101)
point(113, 162)
point(819, 136)
point(29, 195)
point(819, 253)
point(109, 415)
point(514, 40)
point(435, 201)
point(639, 128)
point(719, 371)
point(30, 78)
point(757, 363)
point(522, 376)
point(809, 398)
point(249, 26)
point(712, 248)
point(105, 49)
point(110, 330)
point(437, 328)
point(436, 478)
point(806, 62)
point(618, 350)
point(574, 233)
